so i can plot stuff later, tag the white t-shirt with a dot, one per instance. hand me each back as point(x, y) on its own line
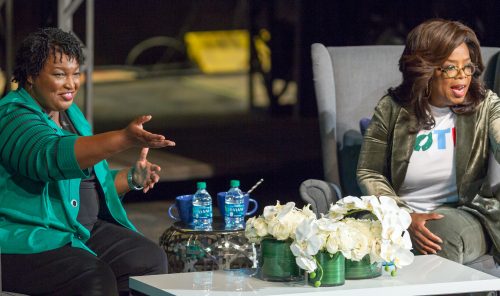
point(431, 179)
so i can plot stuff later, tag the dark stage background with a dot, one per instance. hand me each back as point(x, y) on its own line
point(294, 26)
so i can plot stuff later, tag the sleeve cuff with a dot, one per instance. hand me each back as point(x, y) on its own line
point(66, 159)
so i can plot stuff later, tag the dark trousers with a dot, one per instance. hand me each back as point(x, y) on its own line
point(121, 253)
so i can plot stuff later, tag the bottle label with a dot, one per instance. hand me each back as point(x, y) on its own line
point(200, 212)
point(234, 210)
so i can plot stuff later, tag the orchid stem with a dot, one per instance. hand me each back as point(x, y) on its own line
point(320, 269)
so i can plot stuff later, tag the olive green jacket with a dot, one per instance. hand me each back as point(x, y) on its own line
point(40, 179)
point(388, 145)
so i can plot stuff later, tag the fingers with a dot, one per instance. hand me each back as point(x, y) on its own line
point(144, 138)
point(420, 246)
point(434, 216)
point(161, 144)
point(426, 232)
point(430, 236)
point(143, 119)
point(155, 168)
point(426, 245)
point(427, 242)
point(144, 154)
point(156, 141)
point(150, 137)
point(151, 176)
point(154, 178)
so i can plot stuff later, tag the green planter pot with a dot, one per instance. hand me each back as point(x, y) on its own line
point(332, 271)
point(278, 262)
point(362, 269)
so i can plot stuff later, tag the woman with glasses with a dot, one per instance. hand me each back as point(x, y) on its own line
point(429, 143)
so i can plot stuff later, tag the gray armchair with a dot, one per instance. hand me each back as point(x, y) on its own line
point(349, 81)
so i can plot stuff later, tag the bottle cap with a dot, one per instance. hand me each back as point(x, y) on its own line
point(201, 185)
point(234, 183)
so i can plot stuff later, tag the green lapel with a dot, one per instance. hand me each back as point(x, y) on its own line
point(79, 121)
point(465, 130)
point(402, 146)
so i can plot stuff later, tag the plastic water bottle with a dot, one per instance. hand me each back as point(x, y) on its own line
point(234, 207)
point(202, 208)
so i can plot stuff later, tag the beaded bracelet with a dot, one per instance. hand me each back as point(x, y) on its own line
point(130, 180)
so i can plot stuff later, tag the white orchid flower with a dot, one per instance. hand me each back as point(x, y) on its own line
point(251, 232)
point(270, 212)
point(308, 213)
point(374, 206)
point(333, 243)
point(308, 264)
point(403, 257)
point(281, 231)
point(404, 218)
point(388, 204)
point(307, 240)
point(260, 226)
point(337, 212)
point(307, 244)
point(370, 202)
point(406, 241)
point(352, 202)
point(385, 239)
point(285, 210)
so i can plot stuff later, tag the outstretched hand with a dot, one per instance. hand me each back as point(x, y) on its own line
point(138, 136)
point(146, 174)
point(425, 241)
point(89, 150)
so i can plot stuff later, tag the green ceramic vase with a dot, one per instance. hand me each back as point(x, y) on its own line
point(362, 269)
point(278, 262)
point(332, 271)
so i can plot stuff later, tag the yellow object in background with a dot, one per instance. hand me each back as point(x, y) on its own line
point(2, 81)
point(262, 49)
point(219, 51)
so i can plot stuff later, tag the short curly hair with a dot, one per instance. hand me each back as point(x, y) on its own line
point(36, 48)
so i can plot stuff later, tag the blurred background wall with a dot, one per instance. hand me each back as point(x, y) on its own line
point(294, 25)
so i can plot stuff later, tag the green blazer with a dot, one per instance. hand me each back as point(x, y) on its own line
point(387, 148)
point(40, 179)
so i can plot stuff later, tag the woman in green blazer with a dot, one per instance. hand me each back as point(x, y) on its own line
point(430, 140)
point(63, 229)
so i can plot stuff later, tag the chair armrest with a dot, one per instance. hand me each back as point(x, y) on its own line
point(319, 194)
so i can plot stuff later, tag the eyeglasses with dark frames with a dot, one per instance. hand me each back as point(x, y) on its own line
point(452, 70)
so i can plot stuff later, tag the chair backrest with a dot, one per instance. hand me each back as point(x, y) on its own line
point(349, 81)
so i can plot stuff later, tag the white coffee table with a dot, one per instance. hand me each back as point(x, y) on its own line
point(428, 275)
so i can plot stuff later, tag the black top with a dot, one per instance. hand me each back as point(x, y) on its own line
point(90, 189)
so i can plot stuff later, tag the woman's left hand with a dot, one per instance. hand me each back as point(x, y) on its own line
point(146, 174)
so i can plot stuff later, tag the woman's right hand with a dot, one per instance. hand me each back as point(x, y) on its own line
point(89, 150)
point(139, 137)
point(425, 241)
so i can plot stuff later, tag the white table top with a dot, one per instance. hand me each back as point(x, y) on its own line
point(427, 275)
